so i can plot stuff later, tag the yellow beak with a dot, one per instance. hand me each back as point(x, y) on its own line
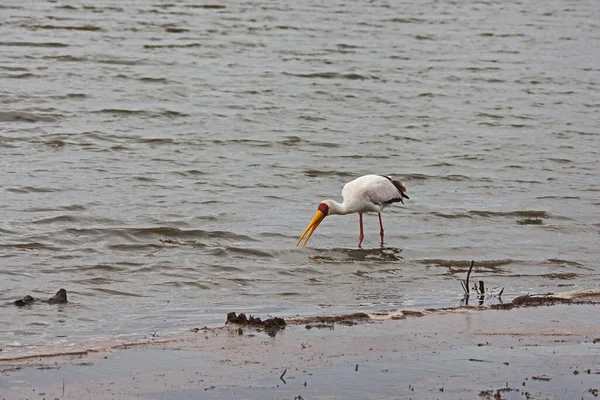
point(317, 219)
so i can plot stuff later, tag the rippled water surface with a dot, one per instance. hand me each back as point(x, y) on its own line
point(160, 159)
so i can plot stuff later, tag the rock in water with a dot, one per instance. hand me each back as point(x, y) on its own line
point(25, 301)
point(59, 298)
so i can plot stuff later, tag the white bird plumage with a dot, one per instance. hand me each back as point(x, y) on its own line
point(368, 193)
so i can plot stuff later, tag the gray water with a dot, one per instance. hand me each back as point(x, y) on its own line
point(160, 159)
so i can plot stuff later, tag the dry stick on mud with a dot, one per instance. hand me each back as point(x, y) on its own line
point(282, 375)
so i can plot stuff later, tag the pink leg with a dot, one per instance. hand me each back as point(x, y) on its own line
point(381, 225)
point(361, 236)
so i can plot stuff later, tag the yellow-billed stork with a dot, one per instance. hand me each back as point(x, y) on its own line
point(369, 193)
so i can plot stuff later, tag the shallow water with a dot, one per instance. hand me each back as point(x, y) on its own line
point(159, 160)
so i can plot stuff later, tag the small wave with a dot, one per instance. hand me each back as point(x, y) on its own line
point(479, 69)
point(72, 207)
point(466, 263)
point(18, 116)
point(94, 267)
point(13, 69)
point(249, 252)
point(161, 232)
point(191, 173)
point(118, 61)
point(333, 75)
point(416, 177)
point(560, 160)
point(559, 197)
point(486, 115)
point(25, 75)
point(33, 44)
point(155, 140)
point(347, 46)
point(153, 80)
point(450, 216)
point(489, 80)
point(249, 142)
point(102, 9)
point(207, 6)
point(324, 144)
point(567, 262)
point(147, 113)
point(312, 118)
point(188, 234)
point(174, 29)
point(172, 46)
point(113, 292)
point(292, 140)
point(183, 284)
point(455, 178)
point(31, 189)
point(69, 96)
point(407, 20)
point(67, 27)
point(133, 247)
point(316, 173)
point(530, 221)
point(524, 213)
point(287, 294)
point(66, 58)
point(29, 246)
point(286, 27)
point(431, 94)
point(95, 281)
point(57, 219)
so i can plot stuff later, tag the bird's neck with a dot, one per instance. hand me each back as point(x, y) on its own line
point(336, 208)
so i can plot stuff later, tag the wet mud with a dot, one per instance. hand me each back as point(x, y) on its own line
point(544, 347)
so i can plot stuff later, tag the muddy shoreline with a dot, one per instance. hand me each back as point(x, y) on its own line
point(545, 346)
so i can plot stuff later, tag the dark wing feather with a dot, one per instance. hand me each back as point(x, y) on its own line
point(401, 190)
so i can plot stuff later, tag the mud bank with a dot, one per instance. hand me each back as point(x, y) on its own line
point(533, 349)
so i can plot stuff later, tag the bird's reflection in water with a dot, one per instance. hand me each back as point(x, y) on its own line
point(383, 254)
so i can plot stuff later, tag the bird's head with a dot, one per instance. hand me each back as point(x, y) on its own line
point(322, 212)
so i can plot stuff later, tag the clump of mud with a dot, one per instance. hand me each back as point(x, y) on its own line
point(590, 297)
point(59, 298)
point(271, 325)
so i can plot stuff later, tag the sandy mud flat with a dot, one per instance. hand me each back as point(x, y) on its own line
point(539, 347)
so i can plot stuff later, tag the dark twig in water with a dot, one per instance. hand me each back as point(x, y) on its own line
point(282, 375)
point(481, 292)
point(468, 275)
point(465, 284)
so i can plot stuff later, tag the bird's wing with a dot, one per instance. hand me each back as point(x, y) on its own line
point(385, 190)
point(376, 189)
